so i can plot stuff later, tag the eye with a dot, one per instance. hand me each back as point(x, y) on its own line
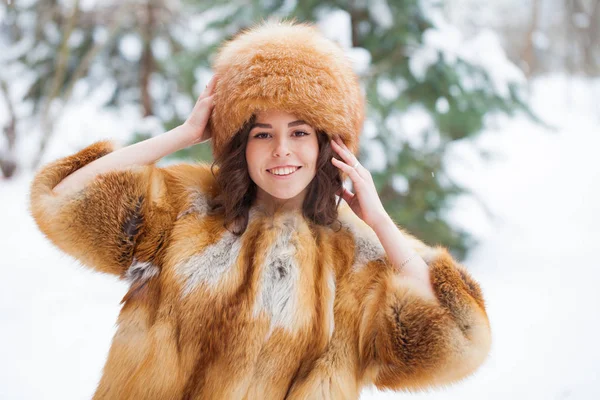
point(261, 135)
point(300, 133)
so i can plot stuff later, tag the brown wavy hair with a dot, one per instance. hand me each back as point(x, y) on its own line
point(238, 191)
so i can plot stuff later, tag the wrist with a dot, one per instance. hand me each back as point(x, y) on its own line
point(382, 222)
point(187, 131)
point(181, 136)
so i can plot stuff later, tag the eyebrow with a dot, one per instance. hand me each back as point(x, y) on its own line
point(269, 126)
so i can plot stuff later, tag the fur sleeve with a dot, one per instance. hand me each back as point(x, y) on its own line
point(410, 341)
point(119, 222)
point(407, 339)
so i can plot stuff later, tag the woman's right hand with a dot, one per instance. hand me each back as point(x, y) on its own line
point(197, 122)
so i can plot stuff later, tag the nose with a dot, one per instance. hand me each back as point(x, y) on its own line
point(282, 148)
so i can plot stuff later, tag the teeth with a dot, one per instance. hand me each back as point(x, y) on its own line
point(283, 171)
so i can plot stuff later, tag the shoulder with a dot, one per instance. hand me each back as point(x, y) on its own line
point(367, 246)
point(191, 186)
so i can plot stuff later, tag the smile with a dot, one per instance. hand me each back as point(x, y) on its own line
point(283, 172)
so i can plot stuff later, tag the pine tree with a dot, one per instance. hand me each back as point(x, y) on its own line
point(422, 96)
point(54, 46)
point(412, 180)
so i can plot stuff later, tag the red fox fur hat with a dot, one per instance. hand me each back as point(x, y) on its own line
point(291, 67)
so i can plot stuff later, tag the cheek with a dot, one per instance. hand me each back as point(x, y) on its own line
point(252, 158)
point(256, 151)
point(250, 151)
point(311, 152)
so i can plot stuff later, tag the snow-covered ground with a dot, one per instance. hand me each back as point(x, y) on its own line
point(535, 263)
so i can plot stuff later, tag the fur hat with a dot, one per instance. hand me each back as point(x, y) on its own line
point(291, 67)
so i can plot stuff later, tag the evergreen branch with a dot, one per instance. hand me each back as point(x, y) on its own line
point(79, 72)
point(59, 75)
point(84, 65)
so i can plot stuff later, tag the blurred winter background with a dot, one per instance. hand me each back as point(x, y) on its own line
point(483, 135)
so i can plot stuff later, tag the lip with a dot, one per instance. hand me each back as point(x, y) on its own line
point(284, 166)
point(284, 176)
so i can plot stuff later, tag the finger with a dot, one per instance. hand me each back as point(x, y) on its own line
point(347, 195)
point(338, 140)
point(208, 90)
point(203, 105)
point(345, 154)
point(343, 190)
point(201, 113)
point(351, 160)
point(343, 145)
point(352, 173)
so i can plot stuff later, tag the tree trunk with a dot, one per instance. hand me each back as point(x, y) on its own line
point(147, 60)
point(8, 164)
point(528, 55)
point(591, 51)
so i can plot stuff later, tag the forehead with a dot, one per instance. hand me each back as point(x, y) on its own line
point(279, 115)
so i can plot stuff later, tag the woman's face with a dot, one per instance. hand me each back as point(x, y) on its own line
point(282, 155)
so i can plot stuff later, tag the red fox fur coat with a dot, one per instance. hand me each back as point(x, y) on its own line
point(287, 310)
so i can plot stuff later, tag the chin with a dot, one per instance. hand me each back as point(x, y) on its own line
point(284, 194)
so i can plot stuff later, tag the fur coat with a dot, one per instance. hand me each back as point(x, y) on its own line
point(287, 310)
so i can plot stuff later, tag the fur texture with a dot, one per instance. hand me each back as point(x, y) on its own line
point(291, 67)
point(287, 310)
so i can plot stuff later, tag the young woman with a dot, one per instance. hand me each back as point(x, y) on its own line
point(248, 280)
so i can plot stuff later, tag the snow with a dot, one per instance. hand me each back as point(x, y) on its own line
point(58, 318)
point(400, 184)
point(130, 47)
point(360, 58)
point(540, 40)
point(473, 15)
point(482, 50)
point(52, 33)
point(536, 263)
point(441, 105)
point(100, 34)
point(161, 48)
point(387, 90)
point(581, 20)
point(158, 87)
point(15, 50)
point(76, 38)
point(415, 126)
point(381, 13)
point(183, 106)
point(373, 155)
point(336, 25)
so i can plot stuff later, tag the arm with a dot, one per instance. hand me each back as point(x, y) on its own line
point(422, 319)
point(146, 152)
point(112, 210)
point(399, 248)
point(114, 217)
point(414, 333)
point(139, 154)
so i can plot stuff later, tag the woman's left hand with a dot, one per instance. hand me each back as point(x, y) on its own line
point(365, 202)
